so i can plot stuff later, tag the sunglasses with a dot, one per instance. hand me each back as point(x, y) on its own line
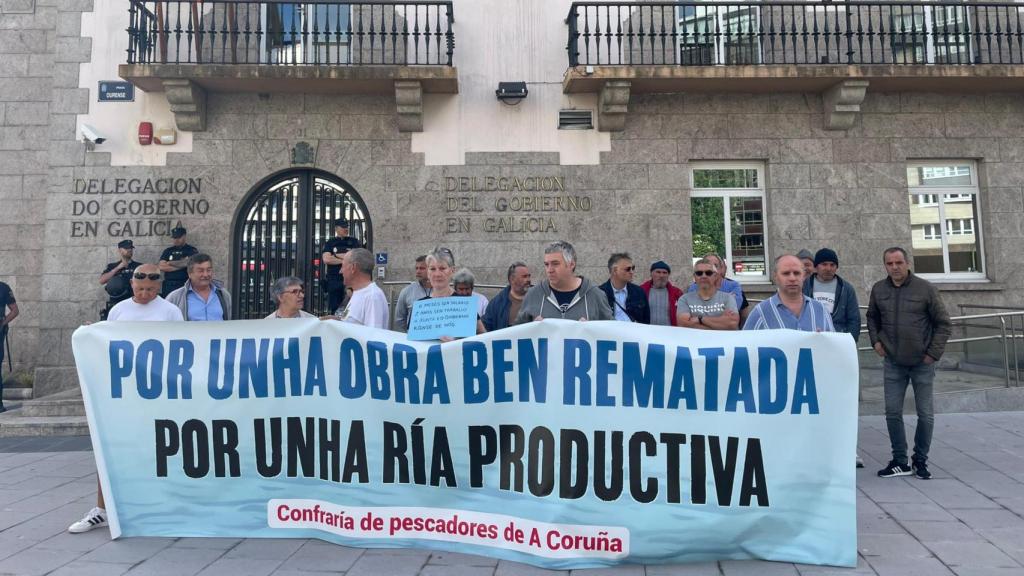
point(703, 273)
point(629, 268)
point(144, 276)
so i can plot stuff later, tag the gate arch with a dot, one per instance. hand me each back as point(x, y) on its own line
point(280, 228)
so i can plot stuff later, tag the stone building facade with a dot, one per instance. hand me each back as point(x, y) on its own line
point(493, 182)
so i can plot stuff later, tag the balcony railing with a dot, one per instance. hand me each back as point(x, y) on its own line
point(309, 33)
point(707, 33)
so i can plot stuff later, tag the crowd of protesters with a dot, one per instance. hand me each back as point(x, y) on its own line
point(907, 323)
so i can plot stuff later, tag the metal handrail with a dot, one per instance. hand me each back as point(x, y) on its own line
point(696, 33)
point(278, 32)
point(1008, 335)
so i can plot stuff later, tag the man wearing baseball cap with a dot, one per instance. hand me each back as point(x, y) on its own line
point(333, 253)
point(174, 261)
point(116, 278)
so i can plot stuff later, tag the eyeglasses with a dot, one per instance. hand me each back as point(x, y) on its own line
point(144, 276)
point(295, 291)
point(703, 273)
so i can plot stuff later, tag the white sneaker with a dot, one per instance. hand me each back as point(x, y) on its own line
point(860, 461)
point(96, 518)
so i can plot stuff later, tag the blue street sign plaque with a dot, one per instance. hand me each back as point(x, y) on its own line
point(116, 91)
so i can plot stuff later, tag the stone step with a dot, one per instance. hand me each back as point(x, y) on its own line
point(17, 393)
point(48, 407)
point(12, 424)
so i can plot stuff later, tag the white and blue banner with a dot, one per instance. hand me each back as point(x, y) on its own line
point(562, 444)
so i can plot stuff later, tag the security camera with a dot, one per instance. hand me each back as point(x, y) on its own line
point(92, 136)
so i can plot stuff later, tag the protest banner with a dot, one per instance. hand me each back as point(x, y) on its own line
point(562, 444)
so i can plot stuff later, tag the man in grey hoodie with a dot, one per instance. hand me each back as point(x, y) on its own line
point(564, 294)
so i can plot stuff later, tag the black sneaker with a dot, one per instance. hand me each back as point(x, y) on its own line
point(894, 469)
point(921, 471)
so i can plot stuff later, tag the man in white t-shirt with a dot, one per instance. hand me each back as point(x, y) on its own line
point(368, 305)
point(144, 305)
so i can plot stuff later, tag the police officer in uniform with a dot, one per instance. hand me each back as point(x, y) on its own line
point(174, 261)
point(333, 251)
point(117, 276)
point(8, 312)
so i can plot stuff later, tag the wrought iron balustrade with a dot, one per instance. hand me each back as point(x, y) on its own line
point(707, 33)
point(310, 33)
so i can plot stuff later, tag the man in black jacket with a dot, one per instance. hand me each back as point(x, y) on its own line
point(909, 327)
point(628, 301)
point(835, 294)
point(502, 309)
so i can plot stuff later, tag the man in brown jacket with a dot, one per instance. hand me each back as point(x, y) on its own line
point(909, 327)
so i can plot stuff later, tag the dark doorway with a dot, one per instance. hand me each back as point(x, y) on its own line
point(280, 230)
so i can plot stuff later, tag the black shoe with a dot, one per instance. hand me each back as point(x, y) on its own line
point(921, 471)
point(894, 469)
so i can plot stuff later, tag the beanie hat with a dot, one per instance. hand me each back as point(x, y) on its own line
point(826, 255)
point(660, 265)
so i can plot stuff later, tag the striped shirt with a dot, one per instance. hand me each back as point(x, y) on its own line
point(772, 314)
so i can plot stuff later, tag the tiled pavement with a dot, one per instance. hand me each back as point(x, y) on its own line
point(968, 520)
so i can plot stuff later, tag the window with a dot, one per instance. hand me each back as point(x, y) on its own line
point(309, 33)
point(960, 226)
point(727, 217)
point(710, 35)
point(930, 35)
point(945, 192)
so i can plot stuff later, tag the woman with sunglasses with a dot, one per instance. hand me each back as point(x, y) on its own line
point(145, 303)
point(289, 295)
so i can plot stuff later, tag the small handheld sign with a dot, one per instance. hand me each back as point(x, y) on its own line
point(433, 318)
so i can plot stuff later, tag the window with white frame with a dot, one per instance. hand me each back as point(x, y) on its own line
point(727, 217)
point(716, 34)
point(946, 239)
point(960, 226)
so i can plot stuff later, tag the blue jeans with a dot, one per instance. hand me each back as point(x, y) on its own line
point(921, 377)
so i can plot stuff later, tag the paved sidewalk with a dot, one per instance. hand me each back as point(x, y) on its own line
point(968, 520)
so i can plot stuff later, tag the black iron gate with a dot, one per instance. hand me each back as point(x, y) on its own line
point(280, 231)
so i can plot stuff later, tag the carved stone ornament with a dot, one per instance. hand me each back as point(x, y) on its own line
point(188, 103)
point(842, 104)
point(613, 103)
point(303, 153)
point(409, 103)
